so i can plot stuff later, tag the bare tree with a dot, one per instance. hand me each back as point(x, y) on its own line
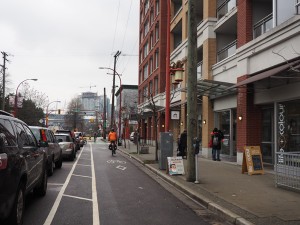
point(74, 117)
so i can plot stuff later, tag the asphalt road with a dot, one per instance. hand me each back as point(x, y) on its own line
point(98, 188)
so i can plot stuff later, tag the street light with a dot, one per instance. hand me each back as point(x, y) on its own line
point(120, 104)
point(16, 97)
point(47, 112)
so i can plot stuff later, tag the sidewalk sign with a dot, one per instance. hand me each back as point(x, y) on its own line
point(175, 165)
point(252, 160)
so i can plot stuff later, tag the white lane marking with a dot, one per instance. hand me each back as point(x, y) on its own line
point(60, 194)
point(85, 159)
point(77, 175)
point(72, 196)
point(55, 184)
point(96, 218)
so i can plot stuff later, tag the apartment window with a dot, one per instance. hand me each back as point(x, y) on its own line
point(156, 59)
point(141, 77)
point(156, 85)
point(151, 65)
point(146, 7)
point(145, 94)
point(157, 7)
point(146, 28)
point(151, 16)
point(145, 71)
point(151, 40)
point(141, 57)
point(150, 87)
point(146, 49)
point(156, 32)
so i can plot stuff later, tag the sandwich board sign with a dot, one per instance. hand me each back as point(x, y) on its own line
point(175, 165)
point(252, 160)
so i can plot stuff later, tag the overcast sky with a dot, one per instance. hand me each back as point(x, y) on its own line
point(62, 43)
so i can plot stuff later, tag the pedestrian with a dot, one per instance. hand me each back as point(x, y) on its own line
point(183, 143)
point(95, 136)
point(216, 139)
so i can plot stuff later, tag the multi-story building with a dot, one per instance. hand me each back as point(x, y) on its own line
point(126, 109)
point(248, 76)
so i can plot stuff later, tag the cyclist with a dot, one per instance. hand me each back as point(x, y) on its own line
point(112, 137)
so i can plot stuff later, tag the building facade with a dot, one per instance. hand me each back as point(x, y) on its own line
point(247, 74)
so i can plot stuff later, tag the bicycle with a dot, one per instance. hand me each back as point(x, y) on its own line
point(113, 147)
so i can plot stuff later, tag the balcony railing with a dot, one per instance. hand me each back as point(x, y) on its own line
point(227, 51)
point(297, 6)
point(263, 26)
point(223, 9)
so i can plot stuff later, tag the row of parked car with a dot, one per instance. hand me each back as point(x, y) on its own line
point(28, 155)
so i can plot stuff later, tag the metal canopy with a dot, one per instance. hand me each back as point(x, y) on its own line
point(214, 89)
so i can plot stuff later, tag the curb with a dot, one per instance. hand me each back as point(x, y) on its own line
point(207, 203)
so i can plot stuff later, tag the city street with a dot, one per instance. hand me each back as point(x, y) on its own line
point(98, 188)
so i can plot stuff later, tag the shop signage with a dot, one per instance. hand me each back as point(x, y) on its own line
point(281, 131)
point(252, 160)
point(175, 165)
point(175, 115)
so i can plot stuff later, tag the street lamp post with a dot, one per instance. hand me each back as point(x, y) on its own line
point(120, 103)
point(16, 97)
point(47, 112)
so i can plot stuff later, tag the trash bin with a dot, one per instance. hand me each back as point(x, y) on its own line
point(166, 149)
point(120, 142)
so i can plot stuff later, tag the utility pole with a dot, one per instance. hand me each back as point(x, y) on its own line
point(192, 90)
point(3, 80)
point(104, 116)
point(113, 90)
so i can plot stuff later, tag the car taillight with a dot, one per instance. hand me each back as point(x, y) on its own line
point(3, 161)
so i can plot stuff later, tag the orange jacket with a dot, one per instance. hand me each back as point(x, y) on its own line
point(112, 136)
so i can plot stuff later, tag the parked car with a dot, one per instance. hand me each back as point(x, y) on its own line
point(23, 167)
point(79, 138)
point(54, 152)
point(67, 145)
point(76, 142)
point(131, 136)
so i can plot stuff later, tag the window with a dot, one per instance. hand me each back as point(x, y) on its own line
point(146, 7)
point(151, 65)
point(151, 40)
point(156, 85)
point(157, 7)
point(146, 49)
point(31, 139)
point(150, 87)
point(145, 71)
point(156, 32)
point(156, 59)
point(146, 28)
point(7, 132)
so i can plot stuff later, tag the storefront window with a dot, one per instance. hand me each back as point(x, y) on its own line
point(267, 137)
point(288, 126)
point(227, 124)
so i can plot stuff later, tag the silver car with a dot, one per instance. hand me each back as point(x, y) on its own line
point(67, 145)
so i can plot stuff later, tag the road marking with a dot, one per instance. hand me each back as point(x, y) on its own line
point(60, 194)
point(96, 218)
point(72, 196)
point(121, 167)
point(115, 161)
point(55, 184)
point(82, 165)
point(77, 175)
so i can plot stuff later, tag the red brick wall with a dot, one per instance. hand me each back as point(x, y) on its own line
point(244, 22)
point(249, 129)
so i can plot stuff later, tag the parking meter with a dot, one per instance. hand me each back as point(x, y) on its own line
point(196, 145)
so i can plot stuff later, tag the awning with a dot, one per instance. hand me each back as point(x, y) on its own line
point(266, 74)
point(213, 89)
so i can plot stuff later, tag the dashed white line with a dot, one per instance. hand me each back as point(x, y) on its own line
point(82, 165)
point(77, 175)
point(72, 196)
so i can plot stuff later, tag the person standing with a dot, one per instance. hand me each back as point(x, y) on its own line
point(216, 139)
point(183, 143)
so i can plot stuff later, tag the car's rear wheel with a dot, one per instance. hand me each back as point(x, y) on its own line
point(72, 156)
point(16, 216)
point(41, 189)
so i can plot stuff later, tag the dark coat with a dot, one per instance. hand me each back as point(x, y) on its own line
point(183, 141)
point(220, 136)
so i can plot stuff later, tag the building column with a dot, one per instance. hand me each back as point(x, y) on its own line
point(249, 128)
point(244, 25)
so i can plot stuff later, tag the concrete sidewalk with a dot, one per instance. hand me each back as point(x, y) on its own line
point(223, 189)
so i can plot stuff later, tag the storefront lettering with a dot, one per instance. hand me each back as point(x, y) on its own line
point(281, 129)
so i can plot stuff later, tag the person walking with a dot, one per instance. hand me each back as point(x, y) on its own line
point(216, 139)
